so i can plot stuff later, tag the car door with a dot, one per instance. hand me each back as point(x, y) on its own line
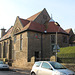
point(45, 69)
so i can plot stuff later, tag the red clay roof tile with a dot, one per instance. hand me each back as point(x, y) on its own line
point(32, 18)
point(34, 26)
point(52, 27)
point(24, 22)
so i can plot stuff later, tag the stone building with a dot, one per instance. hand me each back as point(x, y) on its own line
point(32, 38)
point(71, 37)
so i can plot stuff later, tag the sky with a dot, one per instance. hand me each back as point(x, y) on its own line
point(63, 11)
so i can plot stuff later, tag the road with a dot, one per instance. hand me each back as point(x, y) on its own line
point(11, 72)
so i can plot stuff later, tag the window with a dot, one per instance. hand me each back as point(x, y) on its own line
point(4, 49)
point(64, 39)
point(14, 39)
point(46, 65)
point(0, 50)
point(21, 42)
point(36, 36)
point(52, 47)
point(57, 65)
point(52, 38)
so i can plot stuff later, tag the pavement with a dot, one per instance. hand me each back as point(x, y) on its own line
point(23, 71)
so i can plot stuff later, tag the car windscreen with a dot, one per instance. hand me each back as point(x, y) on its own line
point(37, 64)
point(1, 62)
point(57, 65)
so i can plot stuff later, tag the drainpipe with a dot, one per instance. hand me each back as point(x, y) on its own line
point(42, 44)
point(41, 47)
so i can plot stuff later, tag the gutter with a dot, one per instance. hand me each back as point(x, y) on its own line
point(5, 39)
point(41, 32)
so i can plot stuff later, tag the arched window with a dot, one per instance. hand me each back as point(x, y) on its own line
point(21, 42)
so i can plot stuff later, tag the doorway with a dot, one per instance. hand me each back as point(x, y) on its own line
point(36, 55)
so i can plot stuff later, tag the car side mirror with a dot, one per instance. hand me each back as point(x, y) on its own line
point(50, 68)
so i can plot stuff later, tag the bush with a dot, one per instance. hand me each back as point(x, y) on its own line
point(66, 55)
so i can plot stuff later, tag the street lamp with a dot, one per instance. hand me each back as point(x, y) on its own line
point(56, 46)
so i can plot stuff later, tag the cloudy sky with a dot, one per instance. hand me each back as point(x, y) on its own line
point(63, 11)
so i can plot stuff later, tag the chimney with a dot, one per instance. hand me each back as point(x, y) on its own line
point(2, 32)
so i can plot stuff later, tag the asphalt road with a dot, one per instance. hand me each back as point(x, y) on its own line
point(11, 72)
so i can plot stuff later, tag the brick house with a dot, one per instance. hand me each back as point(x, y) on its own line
point(32, 38)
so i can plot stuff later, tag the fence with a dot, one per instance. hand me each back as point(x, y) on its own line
point(66, 58)
point(62, 58)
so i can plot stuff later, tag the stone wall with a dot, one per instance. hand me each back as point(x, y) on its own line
point(43, 17)
point(34, 44)
point(4, 48)
point(40, 44)
point(20, 56)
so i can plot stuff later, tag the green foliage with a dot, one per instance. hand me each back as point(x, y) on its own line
point(67, 54)
point(67, 50)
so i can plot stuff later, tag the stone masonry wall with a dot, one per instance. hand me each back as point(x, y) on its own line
point(20, 56)
point(34, 45)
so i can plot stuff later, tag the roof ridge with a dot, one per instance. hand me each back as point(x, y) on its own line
point(68, 30)
point(9, 29)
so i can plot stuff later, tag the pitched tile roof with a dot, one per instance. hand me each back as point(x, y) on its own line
point(32, 18)
point(52, 27)
point(24, 21)
point(8, 34)
point(34, 26)
point(68, 30)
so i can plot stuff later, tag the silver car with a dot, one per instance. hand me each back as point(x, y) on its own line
point(50, 68)
point(3, 65)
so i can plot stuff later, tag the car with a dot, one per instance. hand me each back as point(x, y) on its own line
point(3, 65)
point(50, 68)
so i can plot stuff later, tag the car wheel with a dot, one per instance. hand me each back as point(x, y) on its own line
point(33, 73)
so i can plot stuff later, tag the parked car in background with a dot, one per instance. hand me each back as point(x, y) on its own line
point(50, 68)
point(3, 65)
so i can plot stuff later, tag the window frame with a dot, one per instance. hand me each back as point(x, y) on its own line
point(65, 39)
point(20, 41)
point(53, 39)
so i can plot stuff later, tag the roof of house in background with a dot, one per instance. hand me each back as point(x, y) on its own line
point(72, 39)
point(68, 30)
